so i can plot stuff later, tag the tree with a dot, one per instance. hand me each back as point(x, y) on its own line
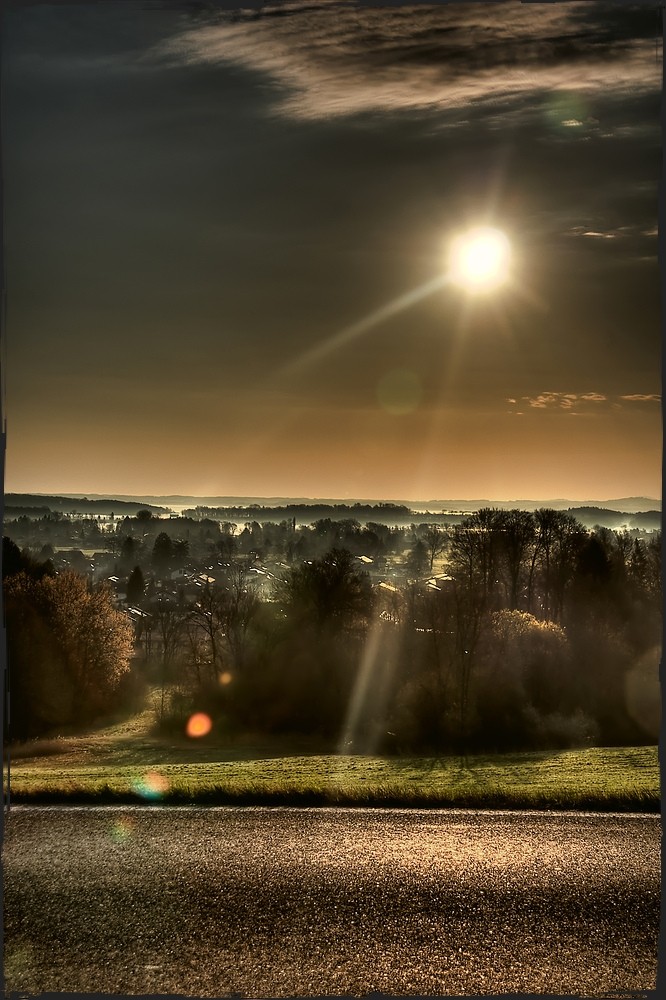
point(329, 592)
point(517, 535)
point(180, 552)
point(437, 692)
point(469, 618)
point(227, 544)
point(621, 552)
point(239, 606)
point(592, 586)
point(97, 640)
point(477, 548)
point(40, 691)
point(129, 552)
point(111, 540)
point(527, 692)
point(68, 647)
point(136, 586)
point(169, 622)
point(46, 553)
point(559, 537)
point(162, 555)
point(475, 553)
point(644, 566)
point(14, 561)
point(207, 617)
point(416, 564)
point(75, 560)
point(320, 619)
point(436, 541)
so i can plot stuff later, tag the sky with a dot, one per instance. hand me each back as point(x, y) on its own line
point(227, 249)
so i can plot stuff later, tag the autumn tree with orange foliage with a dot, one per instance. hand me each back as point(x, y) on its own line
point(68, 650)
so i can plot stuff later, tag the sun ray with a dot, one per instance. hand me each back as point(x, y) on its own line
point(495, 253)
point(364, 725)
point(350, 333)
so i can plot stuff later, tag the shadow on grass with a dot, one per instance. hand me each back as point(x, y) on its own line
point(166, 750)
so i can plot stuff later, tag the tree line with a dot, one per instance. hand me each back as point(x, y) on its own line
point(535, 632)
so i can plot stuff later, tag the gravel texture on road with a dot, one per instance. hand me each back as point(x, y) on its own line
point(342, 902)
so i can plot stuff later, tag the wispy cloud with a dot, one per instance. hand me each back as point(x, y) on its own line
point(562, 400)
point(576, 403)
point(632, 241)
point(642, 397)
point(592, 397)
point(337, 59)
point(609, 234)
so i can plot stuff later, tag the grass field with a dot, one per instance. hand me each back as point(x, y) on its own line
point(124, 765)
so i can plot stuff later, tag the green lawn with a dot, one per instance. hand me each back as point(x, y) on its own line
point(607, 779)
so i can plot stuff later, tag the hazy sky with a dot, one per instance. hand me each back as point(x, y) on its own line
point(214, 221)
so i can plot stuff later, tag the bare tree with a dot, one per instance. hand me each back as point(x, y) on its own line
point(169, 621)
point(436, 540)
point(518, 533)
point(559, 537)
point(474, 554)
point(239, 605)
point(208, 617)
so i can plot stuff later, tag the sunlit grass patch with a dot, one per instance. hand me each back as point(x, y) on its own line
point(605, 779)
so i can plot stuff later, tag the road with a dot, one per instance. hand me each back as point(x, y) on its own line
point(287, 902)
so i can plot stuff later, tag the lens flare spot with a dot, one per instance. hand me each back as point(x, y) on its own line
point(564, 109)
point(399, 391)
point(225, 678)
point(199, 724)
point(152, 785)
point(121, 830)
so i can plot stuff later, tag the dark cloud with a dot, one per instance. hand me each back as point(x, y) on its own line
point(437, 57)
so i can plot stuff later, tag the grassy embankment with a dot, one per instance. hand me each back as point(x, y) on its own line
point(125, 765)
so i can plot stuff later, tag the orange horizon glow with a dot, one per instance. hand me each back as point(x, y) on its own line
point(376, 455)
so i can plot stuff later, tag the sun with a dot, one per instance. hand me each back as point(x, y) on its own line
point(479, 258)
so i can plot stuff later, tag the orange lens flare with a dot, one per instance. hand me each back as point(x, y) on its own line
point(199, 724)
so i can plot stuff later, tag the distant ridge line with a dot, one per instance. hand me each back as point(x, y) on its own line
point(621, 505)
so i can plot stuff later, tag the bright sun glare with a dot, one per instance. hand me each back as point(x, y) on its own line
point(479, 259)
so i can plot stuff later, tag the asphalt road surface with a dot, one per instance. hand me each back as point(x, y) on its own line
point(337, 902)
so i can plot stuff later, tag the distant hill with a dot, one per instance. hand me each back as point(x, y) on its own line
point(630, 512)
point(649, 520)
point(37, 504)
point(629, 505)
